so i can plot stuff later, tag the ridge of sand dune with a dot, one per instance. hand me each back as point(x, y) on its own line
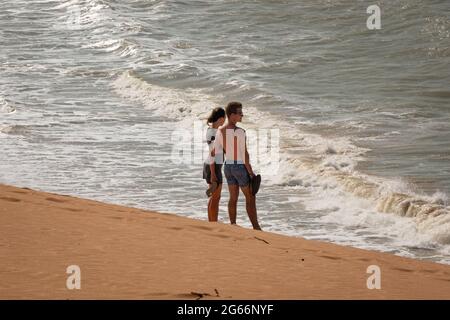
point(127, 253)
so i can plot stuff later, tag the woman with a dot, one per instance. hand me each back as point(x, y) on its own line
point(212, 171)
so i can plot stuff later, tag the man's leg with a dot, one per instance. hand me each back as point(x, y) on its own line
point(250, 205)
point(232, 203)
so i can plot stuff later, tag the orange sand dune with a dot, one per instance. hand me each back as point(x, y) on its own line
point(135, 254)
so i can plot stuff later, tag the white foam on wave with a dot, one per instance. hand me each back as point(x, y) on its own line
point(186, 105)
point(358, 215)
point(328, 169)
point(350, 196)
point(82, 14)
point(124, 48)
point(6, 107)
point(23, 67)
point(7, 129)
point(98, 18)
point(64, 4)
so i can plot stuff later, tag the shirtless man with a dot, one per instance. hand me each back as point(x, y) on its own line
point(238, 171)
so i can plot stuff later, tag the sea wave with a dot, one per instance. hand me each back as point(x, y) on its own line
point(123, 48)
point(175, 104)
point(6, 107)
point(100, 22)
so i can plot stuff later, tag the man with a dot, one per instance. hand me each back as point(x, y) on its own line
point(238, 171)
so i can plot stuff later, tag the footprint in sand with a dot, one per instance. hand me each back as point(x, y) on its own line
point(193, 295)
point(429, 271)
point(214, 228)
point(175, 228)
point(216, 232)
point(403, 269)
point(116, 218)
point(72, 209)
point(19, 192)
point(203, 228)
point(10, 199)
point(363, 259)
point(331, 257)
point(55, 200)
point(219, 236)
point(186, 296)
point(260, 239)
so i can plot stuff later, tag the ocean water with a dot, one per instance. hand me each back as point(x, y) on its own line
point(94, 93)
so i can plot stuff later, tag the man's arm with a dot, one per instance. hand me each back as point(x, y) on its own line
point(248, 166)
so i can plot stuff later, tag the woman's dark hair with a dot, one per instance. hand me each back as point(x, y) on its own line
point(216, 114)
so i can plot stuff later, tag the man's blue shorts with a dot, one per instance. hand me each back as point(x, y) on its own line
point(236, 174)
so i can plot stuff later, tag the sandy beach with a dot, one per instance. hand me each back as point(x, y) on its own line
point(126, 253)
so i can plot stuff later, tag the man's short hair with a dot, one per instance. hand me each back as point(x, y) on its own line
point(233, 107)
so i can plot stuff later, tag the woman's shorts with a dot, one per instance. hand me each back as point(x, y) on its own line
point(207, 173)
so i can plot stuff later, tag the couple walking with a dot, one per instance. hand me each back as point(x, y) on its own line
point(229, 142)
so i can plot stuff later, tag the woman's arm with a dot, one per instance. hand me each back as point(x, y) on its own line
point(218, 143)
point(212, 166)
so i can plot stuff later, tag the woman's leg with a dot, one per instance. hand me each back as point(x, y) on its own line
point(213, 204)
